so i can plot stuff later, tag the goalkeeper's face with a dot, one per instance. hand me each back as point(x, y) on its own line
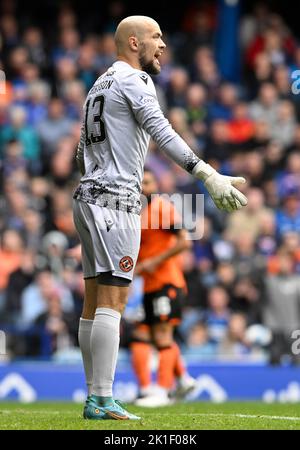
point(151, 46)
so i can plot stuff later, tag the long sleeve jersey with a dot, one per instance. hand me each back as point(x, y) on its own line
point(121, 113)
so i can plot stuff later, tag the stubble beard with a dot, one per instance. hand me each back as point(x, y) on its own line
point(148, 66)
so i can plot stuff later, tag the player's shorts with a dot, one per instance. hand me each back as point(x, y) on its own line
point(164, 305)
point(110, 239)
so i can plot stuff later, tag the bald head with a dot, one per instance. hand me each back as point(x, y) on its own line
point(139, 43)
point(132, 26)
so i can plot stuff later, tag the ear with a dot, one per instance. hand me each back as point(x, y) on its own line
point(133, 43)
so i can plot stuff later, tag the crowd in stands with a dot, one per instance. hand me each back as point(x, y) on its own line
point(243, 275)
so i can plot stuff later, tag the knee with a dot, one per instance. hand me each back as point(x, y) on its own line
point(162, 337)
point(141, 334)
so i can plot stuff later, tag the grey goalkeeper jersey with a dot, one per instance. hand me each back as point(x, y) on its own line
point(121, 112)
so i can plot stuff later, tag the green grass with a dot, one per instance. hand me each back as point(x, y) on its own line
point(188, 416)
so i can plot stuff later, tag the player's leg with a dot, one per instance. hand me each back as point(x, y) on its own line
point(105, 338)
point(162, 338)
point(171, 367)
point(167, 355)
point(141, 351)
point(167, 312)
point(116, 249)
point(185, 383)
point(157, 310)
point(163, 310)
point(85, 329)
point(90, 294)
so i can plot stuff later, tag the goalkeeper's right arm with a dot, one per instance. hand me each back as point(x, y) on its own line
point(150, 116)
point(80, 150)
point(220, 187)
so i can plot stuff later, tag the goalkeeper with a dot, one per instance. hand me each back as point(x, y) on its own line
point(121, 113)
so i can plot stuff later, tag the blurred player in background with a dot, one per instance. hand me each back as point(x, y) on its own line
point(159, 264)
point(121, 112)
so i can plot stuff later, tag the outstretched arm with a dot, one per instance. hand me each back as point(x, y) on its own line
point(142, 98)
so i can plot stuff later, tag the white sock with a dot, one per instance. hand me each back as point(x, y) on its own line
point(146, 390)
point(105, 339)
point(84, 339)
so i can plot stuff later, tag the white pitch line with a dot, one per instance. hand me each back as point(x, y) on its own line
point(242, 416)
point(266, 416)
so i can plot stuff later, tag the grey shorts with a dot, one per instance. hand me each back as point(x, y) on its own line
point(110, 239)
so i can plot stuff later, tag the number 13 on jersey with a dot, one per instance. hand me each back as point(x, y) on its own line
point(96, 109)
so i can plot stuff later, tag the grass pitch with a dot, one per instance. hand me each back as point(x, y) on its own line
point(184, 416)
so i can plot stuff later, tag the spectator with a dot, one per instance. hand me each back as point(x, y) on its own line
point(205, 71)
point(17, 204)
point(74, 97)
point(290, 178)
point(282, 82)
point(17, 59)
point(33, 41)
point(226, 100)
point(240, 127)
point(281, 308)
point(87, 65)
point(54, 245)
point(179, 120)
point(216, 316)
point(38, 95)
point(10, 32)
point(248, 219)
point(265, 107)
point(107, 53)
point(60, 326)
point(277, 43)
point(234, 345)
point(204, 253)
point(266, 240)
point(262, 73)
point(10, 257)
point(288, 216)
point(254, 167)
point(285, 124)
point(217, 148)
point(198, 347)
point(66, 72)
point(247, 261)
point(18, 280)
point(13, 159)
point(196, 291)
point(55, 126)
point(69, 41)
point(32, 229)
point(24, 133)
point(246, 298)
point(176, 91)
point(36, 295)
point(196, 109)
point(226, 276)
